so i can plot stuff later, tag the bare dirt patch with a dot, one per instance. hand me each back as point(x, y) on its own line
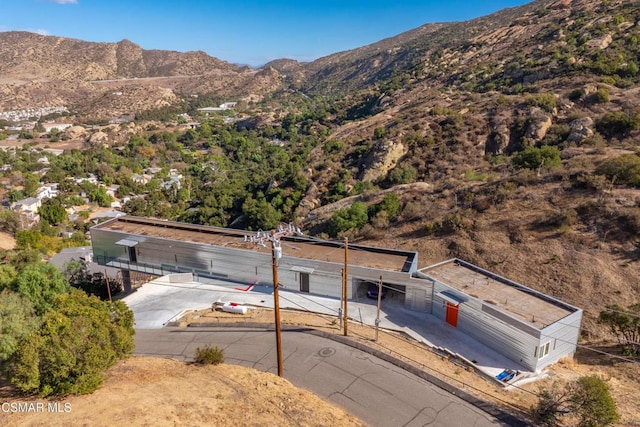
point(7, 241)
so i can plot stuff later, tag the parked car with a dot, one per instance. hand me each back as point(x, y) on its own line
point(372, 291)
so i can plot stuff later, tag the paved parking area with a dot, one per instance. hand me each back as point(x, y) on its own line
point(159, 302)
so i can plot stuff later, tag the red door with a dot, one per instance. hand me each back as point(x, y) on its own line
point(452, 314)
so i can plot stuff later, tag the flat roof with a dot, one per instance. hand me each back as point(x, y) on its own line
point(298, 247)
point(528, 305)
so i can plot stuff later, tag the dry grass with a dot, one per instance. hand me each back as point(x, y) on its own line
point(158, 392)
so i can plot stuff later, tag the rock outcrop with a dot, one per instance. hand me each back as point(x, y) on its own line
point(539, 124)
point(380, 159)
point(581, 129)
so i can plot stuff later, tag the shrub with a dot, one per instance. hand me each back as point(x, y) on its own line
point(624, 168)
point(80, 337)
point(389, 204)
point(332, 146)
point(403, 175)
point(379, 132)
point(546, 101)
point(209, 355)
point(588, 398)
point(617, 124)
point(575, 94)
point(454, 222)
point(40, 283)
point(601, 96)
point(533, 158)
point(346, 219)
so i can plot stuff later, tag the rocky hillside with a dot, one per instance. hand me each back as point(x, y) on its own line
point(453, 134)
point(108, 79)
point(510, 140)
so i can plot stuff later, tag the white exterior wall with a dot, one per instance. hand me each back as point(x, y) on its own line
point(497, 330)
point(563, 338)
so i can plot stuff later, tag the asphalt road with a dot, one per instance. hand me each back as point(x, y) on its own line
point(377, 392)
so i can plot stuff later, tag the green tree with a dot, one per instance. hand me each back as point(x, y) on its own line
point(545, 157)
point(593, 402)
point(618, 123)
point(390, 204)
point(54, 135)
point(379, 132)
point(52, 212)
point(28, 239)
point(624, 168)
point(40, 283)
point(7, 276)
point(100, 196)
point(260, 214)
point(625, 325)
point(404, 174)
point(17, 320)
point(96, 284)
point(350, 218)
point(80, 338)
point(588, 398)
point(31, 184)
point(9, 221)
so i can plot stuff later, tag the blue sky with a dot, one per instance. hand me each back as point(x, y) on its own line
point(240, 31)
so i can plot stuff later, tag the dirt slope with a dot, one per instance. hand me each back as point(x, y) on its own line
point(159, 392)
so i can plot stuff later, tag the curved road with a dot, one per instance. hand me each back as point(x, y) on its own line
point(377, 392)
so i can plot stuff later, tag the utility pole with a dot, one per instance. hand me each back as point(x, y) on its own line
point(276, 300)
point(341, 297)
point(345, 281)
point(106, 278)
point(379, 303)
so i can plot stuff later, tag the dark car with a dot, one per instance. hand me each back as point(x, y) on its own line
point(372, 291)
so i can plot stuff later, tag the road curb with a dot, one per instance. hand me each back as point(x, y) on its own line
point(488, 407)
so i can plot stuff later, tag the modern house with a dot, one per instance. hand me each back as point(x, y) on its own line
point(528, 327)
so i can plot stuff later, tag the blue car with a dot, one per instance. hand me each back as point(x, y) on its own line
point(372, 291)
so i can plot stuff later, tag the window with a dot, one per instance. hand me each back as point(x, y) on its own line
point(544, 350)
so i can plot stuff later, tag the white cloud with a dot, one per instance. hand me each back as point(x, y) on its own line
point(39, 31)
point(62, 1)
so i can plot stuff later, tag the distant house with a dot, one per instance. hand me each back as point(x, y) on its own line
point(48, 127)
point(111, 190)
point(141, 179)
point(28, 209)
point(43, 160)
point(48, 191)
point(152, 171)
point(29, 204)
point(91, 179)
point(175, 179)
point(222, 107)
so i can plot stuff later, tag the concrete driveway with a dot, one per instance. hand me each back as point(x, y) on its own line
point(377, 392)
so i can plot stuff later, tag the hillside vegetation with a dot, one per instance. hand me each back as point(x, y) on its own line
point(510, 141)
